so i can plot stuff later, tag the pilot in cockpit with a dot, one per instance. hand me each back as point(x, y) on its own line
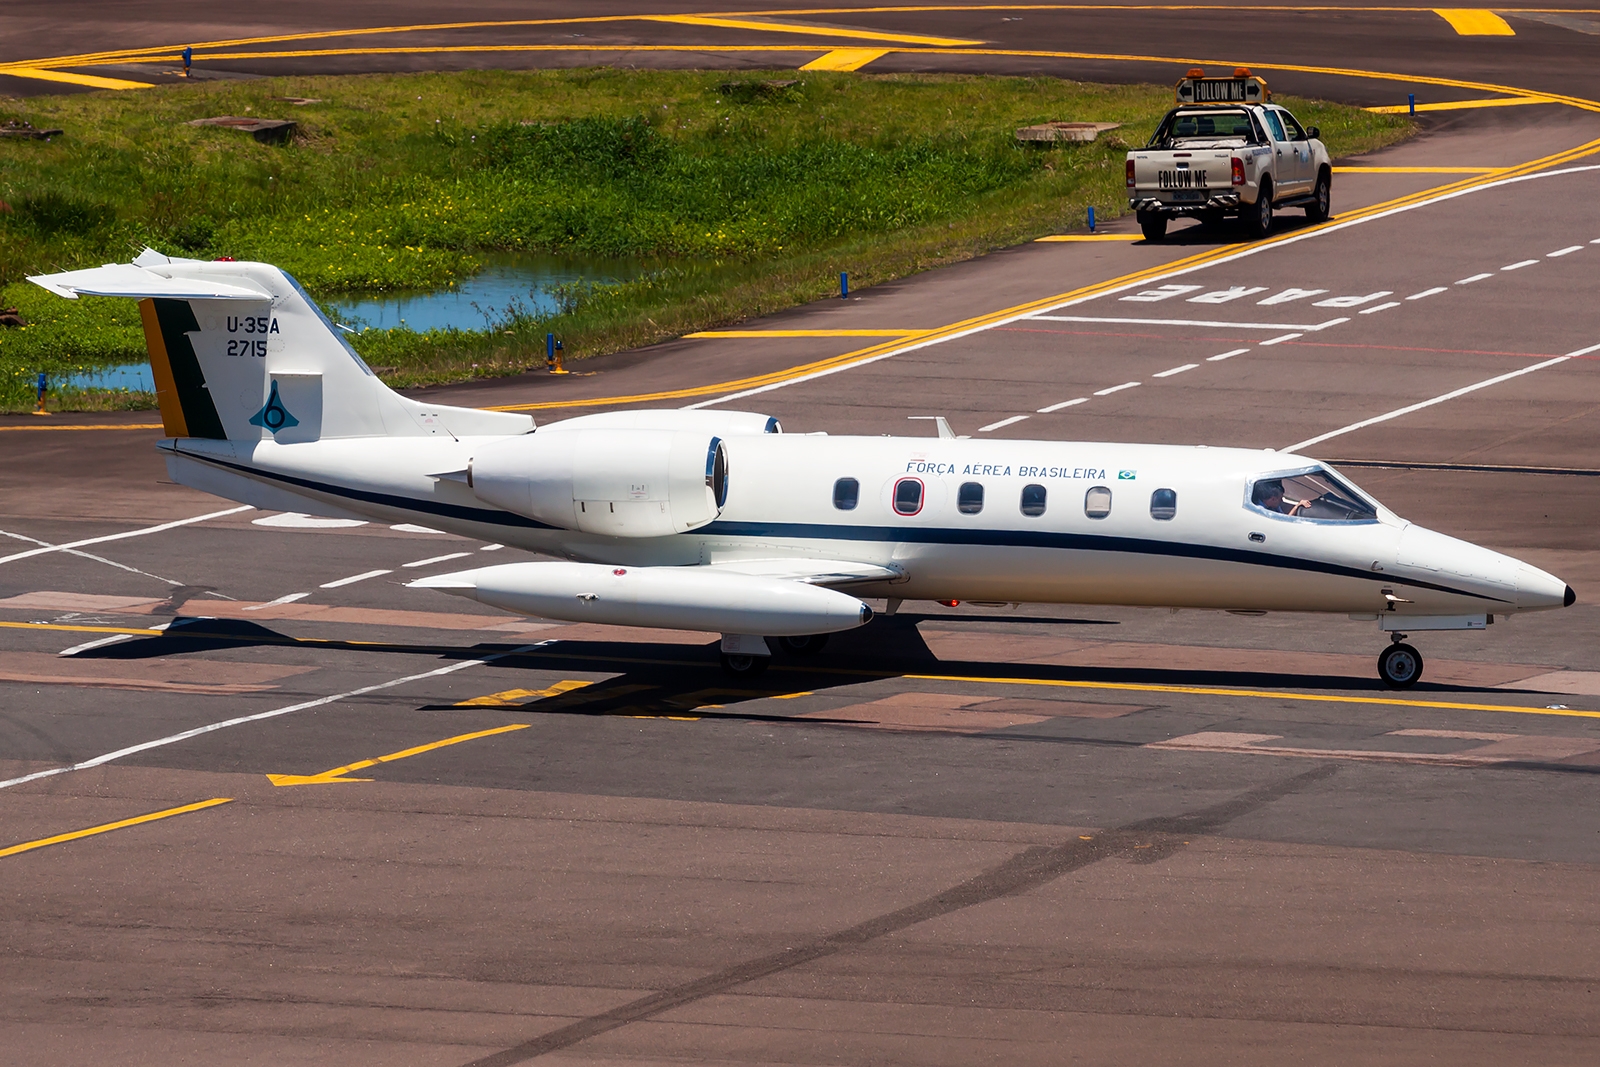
point(1269, 494)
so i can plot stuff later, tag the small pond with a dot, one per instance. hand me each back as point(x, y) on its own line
point(480, 302)
point(483, 300)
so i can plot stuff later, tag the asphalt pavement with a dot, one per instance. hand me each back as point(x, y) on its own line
point(281, 808)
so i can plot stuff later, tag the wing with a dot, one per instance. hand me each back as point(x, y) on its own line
point(824, 572)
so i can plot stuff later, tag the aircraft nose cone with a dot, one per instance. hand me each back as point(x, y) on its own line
point(1536, 589)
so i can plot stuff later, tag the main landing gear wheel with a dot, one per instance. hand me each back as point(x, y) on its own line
point(744, 666)
point(1153, 225)
point(1400, 666)
point(808, 645)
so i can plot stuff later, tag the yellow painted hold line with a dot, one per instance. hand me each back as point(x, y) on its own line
point(80, 426)
point(1416, 170)
point(105, 828)
point(1462, 105)
point(811, 31)
point(1262, 694)
point(92, 81)
point(1091, 237)
point(337, 774)
point(807, 333)
point(846, 59)
point(1475, 22)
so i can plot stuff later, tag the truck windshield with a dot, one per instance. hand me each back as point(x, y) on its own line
point(1203, 129)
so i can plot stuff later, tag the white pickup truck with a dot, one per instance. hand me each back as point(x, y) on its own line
point(1216, 159)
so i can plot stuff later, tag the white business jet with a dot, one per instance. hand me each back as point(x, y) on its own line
point(718, 521)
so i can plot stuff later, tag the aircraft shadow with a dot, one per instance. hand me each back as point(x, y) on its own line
point(683, 680)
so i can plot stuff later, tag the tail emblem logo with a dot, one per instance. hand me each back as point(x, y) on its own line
point(274, 416)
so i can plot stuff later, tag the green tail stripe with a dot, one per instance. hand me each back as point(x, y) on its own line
point(177, 322)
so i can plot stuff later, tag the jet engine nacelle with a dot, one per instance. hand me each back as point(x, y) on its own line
point(619, 483)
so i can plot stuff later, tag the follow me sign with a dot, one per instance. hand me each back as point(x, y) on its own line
point(1006, 470)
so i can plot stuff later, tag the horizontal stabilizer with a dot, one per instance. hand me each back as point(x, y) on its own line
point(126, 279)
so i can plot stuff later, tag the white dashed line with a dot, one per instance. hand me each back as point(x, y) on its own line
point(1279, 340)
point(435, 559)
point(1116, 388)
point(125, 534)
point(354, 578)
point(1567, 251)
point(1463, 391)
point(1435, 291)
point(1519, 265)
point(1176, 370)
point(290, 599)
point(274, 713)
point(1220, 324)
point(97, 643)
point(1064, 404)
point(491, 548)
point(1475, 278)
point(1226, 355)
point(1002, 423)
point(1381, 307)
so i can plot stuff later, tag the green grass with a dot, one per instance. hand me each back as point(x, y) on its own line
point(753, 196)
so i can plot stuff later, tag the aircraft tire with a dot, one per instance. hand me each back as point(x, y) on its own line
point(1400, 666)
point(744, 666)
point(808, 645)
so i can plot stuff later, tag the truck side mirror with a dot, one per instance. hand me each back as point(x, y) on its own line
point(1312, 133)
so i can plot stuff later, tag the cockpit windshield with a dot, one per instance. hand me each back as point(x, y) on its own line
point(1312, 494)
point(1205, 129)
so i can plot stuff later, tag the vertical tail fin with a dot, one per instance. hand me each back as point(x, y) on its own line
point(239, 352)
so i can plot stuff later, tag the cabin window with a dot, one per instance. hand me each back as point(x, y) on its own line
point(1097, 502)
point(969, 498)
point(1164, 504)
point(1033, 500)
point(1311, 494)
point(846, 494)
point(908, 496)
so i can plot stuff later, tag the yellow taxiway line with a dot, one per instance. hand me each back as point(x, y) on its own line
point(1417, 170)
point(724, 22)
point(80, 426)
point(1460, 105)
point(337, 774)
point(807, 333)
point(1260, 694)
point(105, 828)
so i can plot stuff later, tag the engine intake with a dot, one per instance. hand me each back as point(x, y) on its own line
point(614, 482)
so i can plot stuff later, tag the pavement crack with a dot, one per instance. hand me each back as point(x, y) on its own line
point(1029, 869)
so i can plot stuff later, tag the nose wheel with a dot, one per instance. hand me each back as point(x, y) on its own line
point(1400, 665)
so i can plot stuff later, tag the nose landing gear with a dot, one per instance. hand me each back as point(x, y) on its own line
point(1399, 665)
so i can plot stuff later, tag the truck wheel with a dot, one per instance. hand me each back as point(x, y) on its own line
point(1258, 218)
point(1153, 225)
point(1321, 205)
